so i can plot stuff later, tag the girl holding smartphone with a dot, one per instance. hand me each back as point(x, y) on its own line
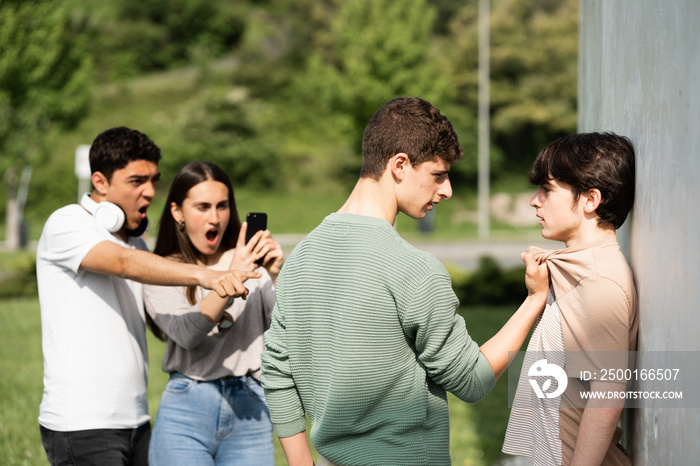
point(213, 409)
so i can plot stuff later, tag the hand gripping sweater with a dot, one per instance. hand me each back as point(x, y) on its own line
point(365, 340)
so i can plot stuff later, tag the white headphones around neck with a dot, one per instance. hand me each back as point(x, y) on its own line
point(107, 214)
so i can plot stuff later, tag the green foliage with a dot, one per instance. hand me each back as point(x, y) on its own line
point(18, 274)
point(301, 80)
point(373, 51)
point(533, 65)
point(377, 50)
point(229, 129)
point(334, 63)
point(261, 144)
point(489, 284)
point(534, 93)
point(328, 66)
point(138, 36)
point(45, 75)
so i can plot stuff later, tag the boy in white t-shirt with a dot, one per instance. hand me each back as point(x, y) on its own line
point(91, 262)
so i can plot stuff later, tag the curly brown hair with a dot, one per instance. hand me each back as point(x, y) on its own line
point(408, 125)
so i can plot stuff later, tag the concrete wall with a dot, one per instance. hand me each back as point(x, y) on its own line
point(639, 75)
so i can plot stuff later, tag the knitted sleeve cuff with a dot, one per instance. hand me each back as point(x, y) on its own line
point(288, 429)
point(484, 373)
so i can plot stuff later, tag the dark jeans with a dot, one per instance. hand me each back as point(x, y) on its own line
point(104, 447)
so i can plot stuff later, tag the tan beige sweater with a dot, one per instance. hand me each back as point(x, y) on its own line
point(597, 304)
point(595, 291)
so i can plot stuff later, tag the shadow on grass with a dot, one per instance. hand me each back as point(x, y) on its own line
point(477, 430)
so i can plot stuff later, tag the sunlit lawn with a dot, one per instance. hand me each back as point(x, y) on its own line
point(476, 430)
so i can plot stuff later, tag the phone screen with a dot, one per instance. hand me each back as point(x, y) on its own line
point(256, 221)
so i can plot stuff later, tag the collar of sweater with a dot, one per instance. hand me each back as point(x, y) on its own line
point(570, 265)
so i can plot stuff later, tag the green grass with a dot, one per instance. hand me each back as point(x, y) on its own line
point(21, 366)
point(476, 430)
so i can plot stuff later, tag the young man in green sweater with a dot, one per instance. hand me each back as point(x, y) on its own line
point(364, 336)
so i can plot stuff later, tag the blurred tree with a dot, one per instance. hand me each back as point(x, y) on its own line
point(278, 37)
point(534, 51)
point(372, 51)
point(228, 126)
point(45, 81)
point(446, 9)
point(261, 144)
point(328, 65)
point(323, 68)
point(145, 35)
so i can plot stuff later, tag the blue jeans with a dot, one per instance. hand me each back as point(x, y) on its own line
point(212, 423)
point(108, 447)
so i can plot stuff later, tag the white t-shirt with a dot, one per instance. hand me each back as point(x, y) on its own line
point(93, 331)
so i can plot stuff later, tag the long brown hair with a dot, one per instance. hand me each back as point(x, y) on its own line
point(172, 241)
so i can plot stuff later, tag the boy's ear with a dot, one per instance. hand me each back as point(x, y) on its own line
point(398, 164)
point(593, 200)
point(99, 183)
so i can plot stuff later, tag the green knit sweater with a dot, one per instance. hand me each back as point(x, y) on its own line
point(366, 341)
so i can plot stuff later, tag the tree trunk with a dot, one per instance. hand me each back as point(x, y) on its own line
point(18, 187)
point(12, 214)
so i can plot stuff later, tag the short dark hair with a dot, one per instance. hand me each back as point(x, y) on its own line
point(585, 161)
point(410, 125)
point(114, 148)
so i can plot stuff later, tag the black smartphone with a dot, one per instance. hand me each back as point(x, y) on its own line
point(256, 221)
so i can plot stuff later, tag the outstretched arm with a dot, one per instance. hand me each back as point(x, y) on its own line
point(145, 267)
point(500, 349)
point(296, 449)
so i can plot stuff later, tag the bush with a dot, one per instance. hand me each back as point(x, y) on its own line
point(18, 275)
point(489, 284)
